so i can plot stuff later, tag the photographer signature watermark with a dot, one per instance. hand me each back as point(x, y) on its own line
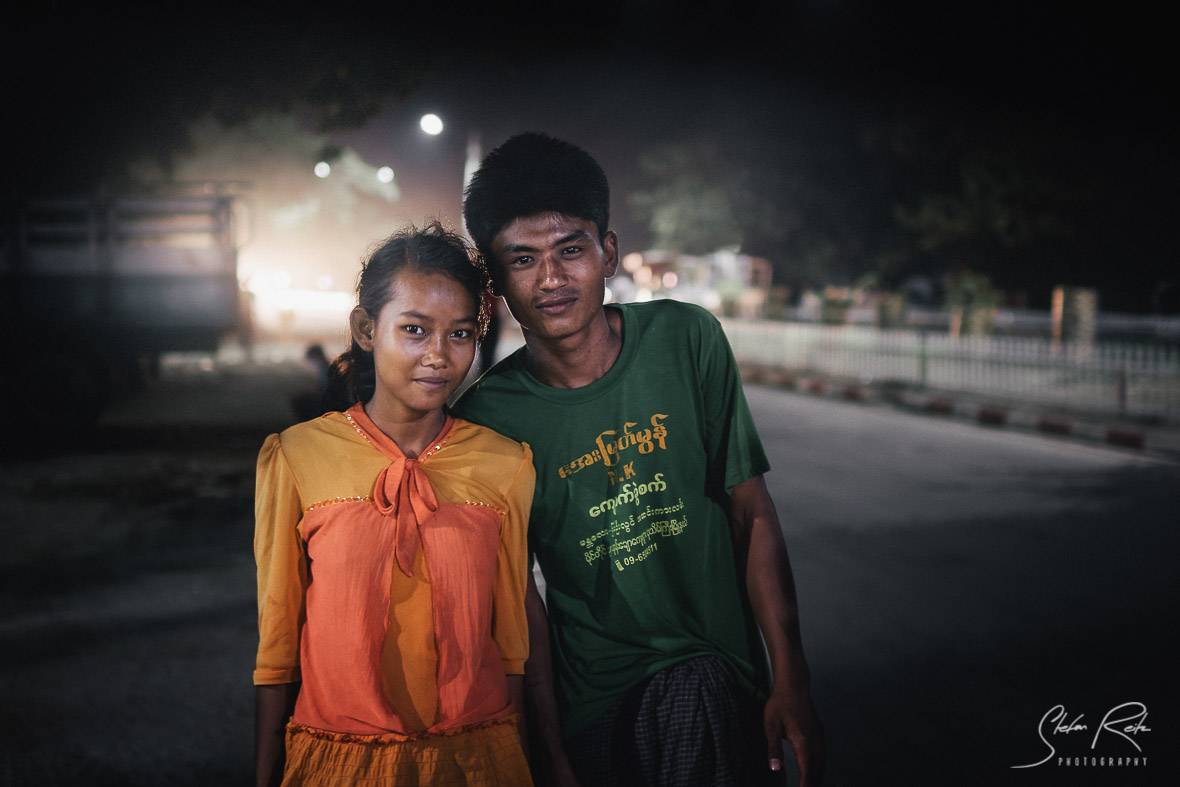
point(1118, 733)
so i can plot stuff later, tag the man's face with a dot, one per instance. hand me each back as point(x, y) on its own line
point(551, 269)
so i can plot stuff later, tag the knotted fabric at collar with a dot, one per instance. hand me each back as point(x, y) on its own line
point(402, 491)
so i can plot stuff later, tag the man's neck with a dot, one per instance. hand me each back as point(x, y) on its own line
point(578, 360)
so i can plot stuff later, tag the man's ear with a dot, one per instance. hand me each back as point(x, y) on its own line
point(610, 248)
point(362, 327)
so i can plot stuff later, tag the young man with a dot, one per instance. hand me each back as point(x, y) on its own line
point(661, 549)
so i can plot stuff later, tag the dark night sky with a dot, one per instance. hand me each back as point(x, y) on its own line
point(1074, 91)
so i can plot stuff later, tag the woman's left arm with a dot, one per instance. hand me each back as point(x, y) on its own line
point(516, 697)
point(273, 706)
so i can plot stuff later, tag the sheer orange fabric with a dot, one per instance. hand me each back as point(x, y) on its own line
point(392, 587)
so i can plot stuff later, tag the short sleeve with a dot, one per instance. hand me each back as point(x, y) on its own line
point(509, 626)
point(282, 567)
point(734, 451)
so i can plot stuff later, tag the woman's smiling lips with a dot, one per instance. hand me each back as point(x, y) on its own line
point(432, 383)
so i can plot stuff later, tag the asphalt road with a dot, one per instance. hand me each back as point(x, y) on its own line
point(954, 584)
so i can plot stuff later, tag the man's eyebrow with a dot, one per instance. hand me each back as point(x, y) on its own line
point(521, 248)
point(517, 248)
point(575, 235)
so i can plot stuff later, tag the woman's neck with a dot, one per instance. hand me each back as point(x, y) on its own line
point(411, 430)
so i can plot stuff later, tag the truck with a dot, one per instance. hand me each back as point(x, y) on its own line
point(96, 288)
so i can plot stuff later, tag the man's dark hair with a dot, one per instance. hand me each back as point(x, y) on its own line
point(534, 173)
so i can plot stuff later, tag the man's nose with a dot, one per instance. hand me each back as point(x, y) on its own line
point(552, 275)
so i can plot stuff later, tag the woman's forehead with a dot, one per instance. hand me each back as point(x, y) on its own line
point(429, 293)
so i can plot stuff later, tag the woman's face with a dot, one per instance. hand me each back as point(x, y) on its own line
point(423, 341)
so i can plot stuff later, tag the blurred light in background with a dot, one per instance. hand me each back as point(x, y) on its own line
point(268, 280)
point(323, 169)
point(670, 279)
point(642, 275)
point(607, 295)
point(632, 262)
point(385, 174)
point(642, 295)
point(431, 123)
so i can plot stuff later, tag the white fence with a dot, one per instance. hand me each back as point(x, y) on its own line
point(1109, 378)
point(1013, 322)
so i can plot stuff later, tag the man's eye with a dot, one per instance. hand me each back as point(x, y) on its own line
point(416, 330)
point(522, 260)
point(571, 250)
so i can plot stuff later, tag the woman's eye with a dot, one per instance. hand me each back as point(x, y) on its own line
point(462, 333)
point(415, 330)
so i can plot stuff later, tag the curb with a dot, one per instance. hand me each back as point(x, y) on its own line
point(987, 414)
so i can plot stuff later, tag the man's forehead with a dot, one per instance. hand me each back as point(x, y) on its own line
point(539, 226)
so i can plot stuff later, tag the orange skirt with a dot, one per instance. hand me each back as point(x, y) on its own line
point(484, 755)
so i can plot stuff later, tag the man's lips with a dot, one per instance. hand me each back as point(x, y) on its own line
point(555, 305)
point(431, 382)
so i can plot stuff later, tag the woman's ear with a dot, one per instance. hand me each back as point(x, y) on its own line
point(362, 327)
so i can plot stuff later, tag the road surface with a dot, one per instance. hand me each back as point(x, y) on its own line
point(954, 583)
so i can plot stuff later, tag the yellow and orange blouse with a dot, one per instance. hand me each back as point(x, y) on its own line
point(393, 588)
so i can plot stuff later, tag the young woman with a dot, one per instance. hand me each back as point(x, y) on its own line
point(390, 541)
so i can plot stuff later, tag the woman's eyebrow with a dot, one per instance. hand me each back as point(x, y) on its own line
point(427, 318)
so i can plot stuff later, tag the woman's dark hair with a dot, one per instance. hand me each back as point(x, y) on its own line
point(432, 249)
point(534, 173)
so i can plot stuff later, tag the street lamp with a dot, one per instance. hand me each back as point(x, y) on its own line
point(432, 124)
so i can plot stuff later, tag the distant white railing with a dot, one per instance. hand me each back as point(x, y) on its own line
point(1007, 321)
point(1107, 377)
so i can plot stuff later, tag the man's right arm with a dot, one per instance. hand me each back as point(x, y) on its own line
point(538, 681)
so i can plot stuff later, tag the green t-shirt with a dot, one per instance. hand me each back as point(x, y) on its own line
point(629, 519)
